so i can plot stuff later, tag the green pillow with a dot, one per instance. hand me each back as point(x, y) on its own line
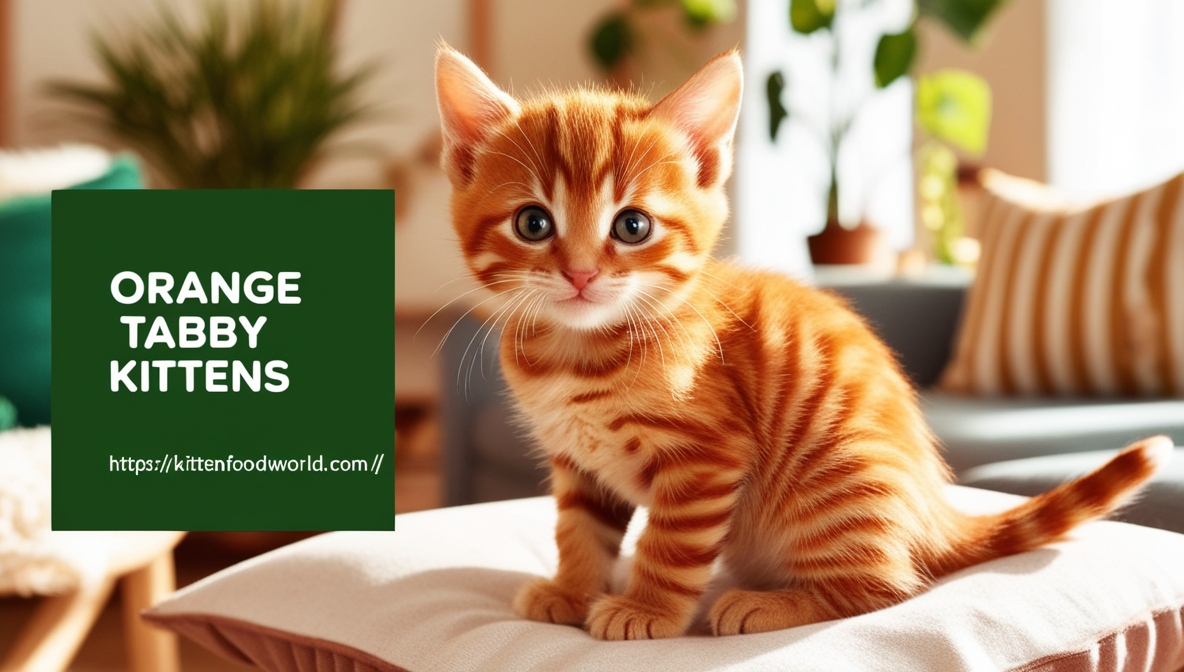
point(25, 292)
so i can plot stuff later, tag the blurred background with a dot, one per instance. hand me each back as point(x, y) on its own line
point(863, 126)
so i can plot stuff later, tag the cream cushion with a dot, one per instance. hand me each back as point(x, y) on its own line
point(436, 594)
point(34, 560)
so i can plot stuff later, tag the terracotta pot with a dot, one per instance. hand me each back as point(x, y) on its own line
point(837, 245)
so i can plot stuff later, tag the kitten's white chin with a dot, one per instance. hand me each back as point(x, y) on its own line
point(578, 313)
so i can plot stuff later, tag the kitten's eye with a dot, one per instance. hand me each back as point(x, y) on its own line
point(533, 223)
point(631, 226)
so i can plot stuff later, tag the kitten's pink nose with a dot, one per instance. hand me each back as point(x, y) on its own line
point(580, 279)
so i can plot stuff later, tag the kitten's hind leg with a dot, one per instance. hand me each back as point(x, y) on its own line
point(859, 590)
point(738, 612)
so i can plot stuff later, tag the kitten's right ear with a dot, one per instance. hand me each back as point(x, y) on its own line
point(471, 106)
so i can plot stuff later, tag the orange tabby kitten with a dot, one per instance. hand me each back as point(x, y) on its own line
point(760, 421)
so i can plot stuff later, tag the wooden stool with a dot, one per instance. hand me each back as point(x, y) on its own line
point(61, 622)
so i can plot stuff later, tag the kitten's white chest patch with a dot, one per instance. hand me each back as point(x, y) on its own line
point(582, 436)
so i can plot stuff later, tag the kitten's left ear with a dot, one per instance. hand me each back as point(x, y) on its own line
point(706, 107)
point(471, 107)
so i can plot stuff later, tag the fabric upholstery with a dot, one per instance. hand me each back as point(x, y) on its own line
point(1160, 505)
point(1075, 301)
point(436, 595)
point(977, 430)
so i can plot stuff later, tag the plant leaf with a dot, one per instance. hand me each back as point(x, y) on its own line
point(701, 13)
point(955, 106)
point(894, 56)
point(774, 85)
point(965, 18)
point(807, 16)
point(612, 40)
point(248, 96)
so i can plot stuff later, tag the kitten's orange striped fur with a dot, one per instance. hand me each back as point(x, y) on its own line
point(760, 421)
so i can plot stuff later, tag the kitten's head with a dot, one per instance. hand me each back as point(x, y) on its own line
point(588, 207)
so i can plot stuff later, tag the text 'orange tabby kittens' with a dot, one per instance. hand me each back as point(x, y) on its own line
point(760, 421)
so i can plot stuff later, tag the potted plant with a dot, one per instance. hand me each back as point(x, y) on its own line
point(247, 98)
point(951, 106)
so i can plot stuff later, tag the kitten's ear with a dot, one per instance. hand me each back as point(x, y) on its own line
point(706, 107)
point(471, 106)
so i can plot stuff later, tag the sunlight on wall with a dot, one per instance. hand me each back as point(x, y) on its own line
point(1116, 94)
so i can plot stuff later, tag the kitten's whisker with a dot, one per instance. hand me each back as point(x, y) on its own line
point(463, 315)
point(526, 187)
point(634, 165)
point(518, 323)
point(629, 331)
point(536, 170)
point(530, 143)
point(516, 291)
point(650, 321)
point(520, 335)
point(517, 333)
point(491, 321)
point(721, 301)
point(658, 160)
point(454, 300)
point(519, 162)
point(637, 143)
point(449, 282)
point(534, 320)
point(629, 315)
point(512, 306)
point(655, 165)
point(704, 271)
point(707, 322)
point(654, 303)
point(468, 346)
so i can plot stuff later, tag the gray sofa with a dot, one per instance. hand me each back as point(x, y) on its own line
point(488, 457)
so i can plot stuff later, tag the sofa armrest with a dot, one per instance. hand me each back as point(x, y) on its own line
point(917, 319)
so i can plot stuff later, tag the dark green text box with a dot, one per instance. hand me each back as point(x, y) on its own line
point(336, 413)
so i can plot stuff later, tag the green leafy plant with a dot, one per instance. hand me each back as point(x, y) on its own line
point(248, 98)
point(616, 36)
point(951, 106)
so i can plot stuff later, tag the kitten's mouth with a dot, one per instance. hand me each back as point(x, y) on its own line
point(580, 311)
point(577, 300)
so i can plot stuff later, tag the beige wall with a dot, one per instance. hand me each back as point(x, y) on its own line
point(6, 50)
point(1012, 60)
point(544, 44)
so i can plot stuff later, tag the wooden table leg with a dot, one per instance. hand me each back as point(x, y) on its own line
point(149, 649)
point(57, 629)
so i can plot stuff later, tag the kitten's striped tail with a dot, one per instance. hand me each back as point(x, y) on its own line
point(1050, 516)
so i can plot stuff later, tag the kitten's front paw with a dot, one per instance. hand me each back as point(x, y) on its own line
point(546, 601)
point(618, 617)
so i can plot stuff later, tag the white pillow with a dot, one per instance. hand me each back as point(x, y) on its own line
point(40, 171)
point(33, 559)
point(436, 595)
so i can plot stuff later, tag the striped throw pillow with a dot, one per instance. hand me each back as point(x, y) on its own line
point(1074, 301)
